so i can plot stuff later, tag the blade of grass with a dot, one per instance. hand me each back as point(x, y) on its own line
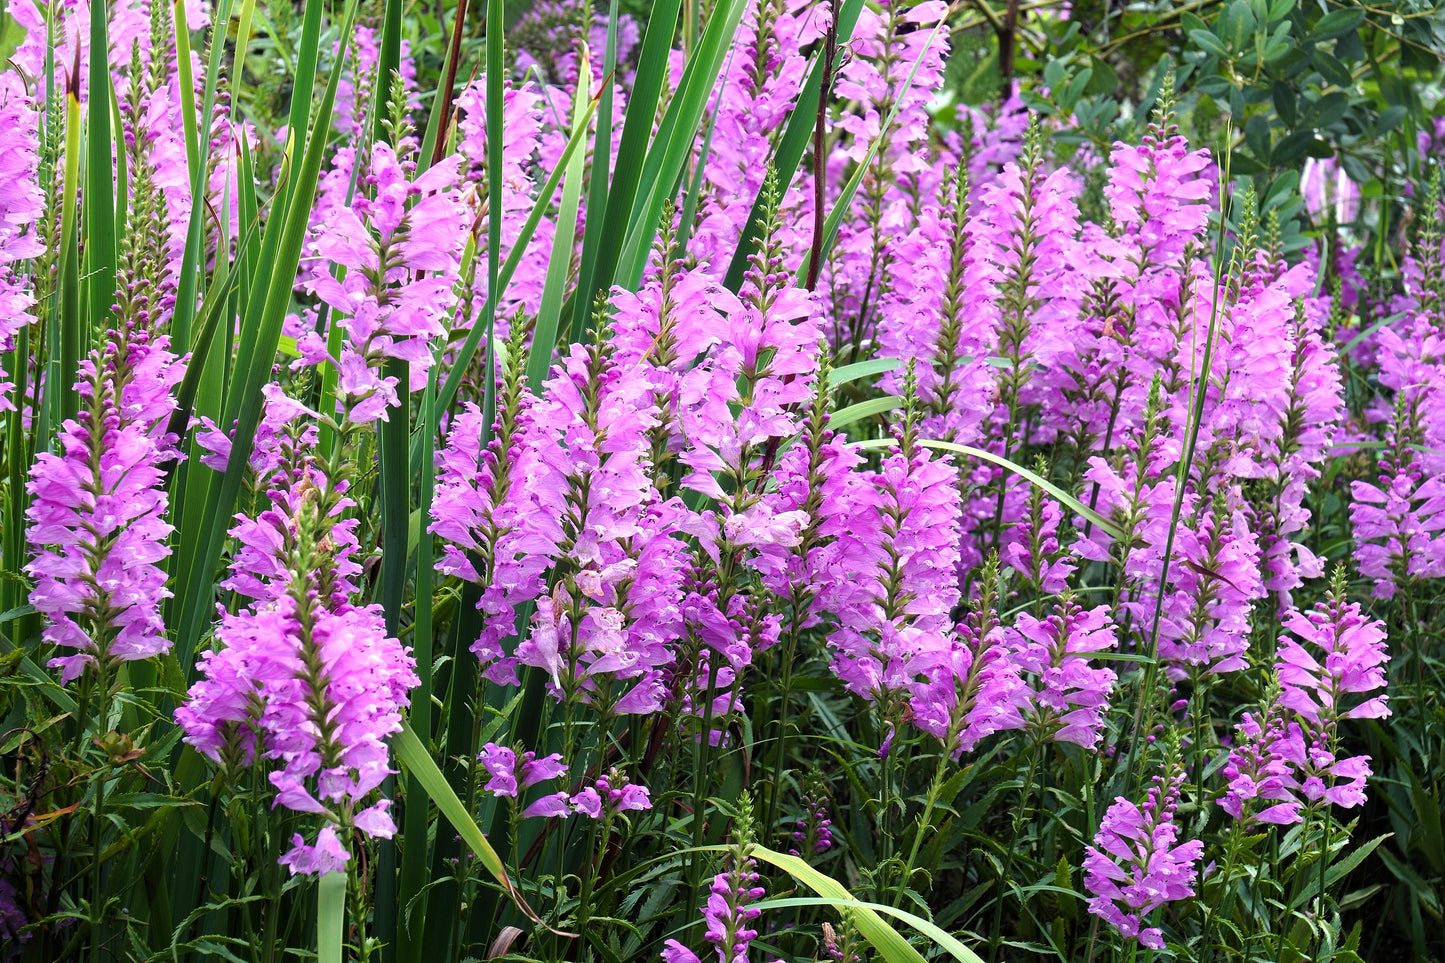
point(599, 175)
point(415, 821)
point(1034, 478)
point(840, 208)
point(414, 756)
point(955, 948)
point(843, 374)
point(549, 313)
point(496, 77)
point(190, 257)
point(672, 146)
point(539, 207)
point(634, 149)
point(244, 399)
point(885, 939)
point(395, 482)
point(99, 217)
point(330, 916)
point(67, 325)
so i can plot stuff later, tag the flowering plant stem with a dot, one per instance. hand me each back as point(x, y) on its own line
point(940, 774)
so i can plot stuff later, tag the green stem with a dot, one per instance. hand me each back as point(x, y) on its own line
point(923, 823)
point(994, 940)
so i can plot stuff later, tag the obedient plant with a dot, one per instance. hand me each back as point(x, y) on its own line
point(680, 461)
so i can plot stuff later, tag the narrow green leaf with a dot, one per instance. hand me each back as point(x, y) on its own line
point(1336, 871)
point(632, 150)
point(1337, 23)
point(549, 313)
point(936, 933)
point(414, 756)
point(1032, 477)
point(794, 142)
point(840, 207)
point(519, 247)
point(67, 326)
point(864, 409)
point(673, 145)
point(100, 245)
point(191, 256)
point(330, 916)
point(599, 178)
point(844, 374)
point(885, 939)
point(244, 400)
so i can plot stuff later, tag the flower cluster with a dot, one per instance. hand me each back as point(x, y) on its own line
point(98, 505)
point(1137, 863)
point(303, 682)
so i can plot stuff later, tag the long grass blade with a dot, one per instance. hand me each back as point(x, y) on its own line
point(794, 142)
point(99, 209)
point(414, 756)
point(835, 216)
point(1032, 477)
point(469, 347)
point(599, 178)
point(942, 937)
point(245, 397)
point(330, 916)
point(885, 939)
point(549, 313)
point(633, 149)
point(673, 144)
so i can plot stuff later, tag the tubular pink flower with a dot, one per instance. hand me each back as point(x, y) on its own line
point(1070, 696)
point(98, 505)
point(1137, 863)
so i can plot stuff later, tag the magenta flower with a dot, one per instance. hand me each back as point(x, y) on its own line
point(402, 250)
point(731, 922)
point(1070, 696)
point(891, 572)
point(302, 678)
point(98, 505)
point(1258, 770)
point(1345, 659)
point(610, 795)
point(1137, 863)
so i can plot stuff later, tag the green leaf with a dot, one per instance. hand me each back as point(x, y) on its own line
point(1330, 66)
point(633, 151)
point(1337, 23)
point(863, 409)
point(790, 149)
point(414, 756)
point(1064, 497)
point(1208, 42)
point(884, 938)
point(845, 200)
point(549, 313)
point(1339, 870)
point(330, 916)
point(99, 218)
point(861, 369)
point(673, 145)
point(519, 247)
point(243, 403)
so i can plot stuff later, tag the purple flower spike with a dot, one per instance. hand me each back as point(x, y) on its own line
point(1137, 863)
